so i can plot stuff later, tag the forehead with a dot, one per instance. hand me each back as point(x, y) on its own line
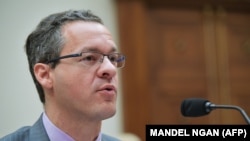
point(83, 34)
point(85, 29)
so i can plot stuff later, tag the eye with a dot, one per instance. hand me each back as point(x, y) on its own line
point(90, 57)
point(113, 58)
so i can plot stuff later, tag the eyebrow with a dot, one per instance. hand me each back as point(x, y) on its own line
point(95, 49)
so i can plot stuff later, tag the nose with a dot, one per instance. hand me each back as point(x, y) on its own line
point(107, 69)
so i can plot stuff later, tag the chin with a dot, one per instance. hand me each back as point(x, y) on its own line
point(109, 113)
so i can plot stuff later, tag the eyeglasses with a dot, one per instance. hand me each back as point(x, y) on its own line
point(91, 58)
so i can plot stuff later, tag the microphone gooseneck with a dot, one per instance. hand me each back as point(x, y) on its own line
point(194, 107)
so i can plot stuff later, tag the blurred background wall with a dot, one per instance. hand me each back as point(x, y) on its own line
point(182, 49)
point(19, 101)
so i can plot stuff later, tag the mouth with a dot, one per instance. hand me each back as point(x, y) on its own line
point(108, 88)
point(108, 92)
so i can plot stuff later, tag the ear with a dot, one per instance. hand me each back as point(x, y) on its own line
point(42, 73)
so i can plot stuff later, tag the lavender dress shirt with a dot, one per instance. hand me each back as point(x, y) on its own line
point(56, 134)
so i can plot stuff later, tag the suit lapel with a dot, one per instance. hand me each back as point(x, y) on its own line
point(38, 132)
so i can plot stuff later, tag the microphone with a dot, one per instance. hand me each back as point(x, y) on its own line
point(194, 107)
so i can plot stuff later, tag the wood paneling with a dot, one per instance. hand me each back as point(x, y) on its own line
point(176, 50)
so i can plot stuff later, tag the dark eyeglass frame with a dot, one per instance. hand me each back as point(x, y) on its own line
point(122, 57)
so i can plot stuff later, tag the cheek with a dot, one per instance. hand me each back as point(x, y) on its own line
point(115, 80)
point(82, 84)
point(74, 89)
point(73, 81)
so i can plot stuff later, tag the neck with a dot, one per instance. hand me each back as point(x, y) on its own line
point(79, 128)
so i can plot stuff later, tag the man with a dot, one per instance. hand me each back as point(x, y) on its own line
point(73, 61)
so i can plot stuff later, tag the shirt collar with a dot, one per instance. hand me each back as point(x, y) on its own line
point(56, 134)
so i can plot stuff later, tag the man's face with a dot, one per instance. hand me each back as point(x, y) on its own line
point(86, 91)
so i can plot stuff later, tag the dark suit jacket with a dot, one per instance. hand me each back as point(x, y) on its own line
point(37, 132)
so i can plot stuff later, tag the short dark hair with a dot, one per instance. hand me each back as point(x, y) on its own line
point(46, 41)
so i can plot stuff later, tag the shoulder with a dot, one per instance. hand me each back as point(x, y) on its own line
point(36, 132)
point(19, 135)
point(106, 137)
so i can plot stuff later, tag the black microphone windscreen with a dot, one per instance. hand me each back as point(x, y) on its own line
point(194, 107)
